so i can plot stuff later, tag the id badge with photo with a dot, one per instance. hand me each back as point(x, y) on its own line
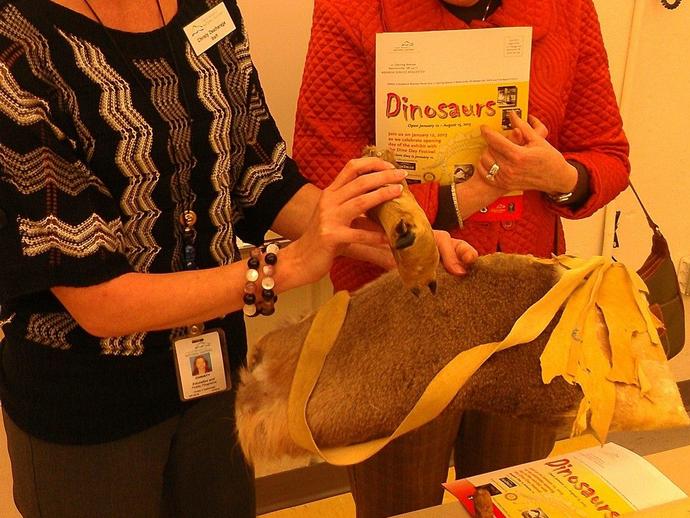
point(202, 364)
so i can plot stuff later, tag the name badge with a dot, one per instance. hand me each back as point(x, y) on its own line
point(209, 28)
point(201, 364)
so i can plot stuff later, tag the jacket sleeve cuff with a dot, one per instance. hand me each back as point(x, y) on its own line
point(580, 192)
point(448, 215)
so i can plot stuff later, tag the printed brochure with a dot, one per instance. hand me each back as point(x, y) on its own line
point(602, 481)
point(435, 89)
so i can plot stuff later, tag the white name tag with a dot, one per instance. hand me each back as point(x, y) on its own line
point(202, 366)
point(209, 28)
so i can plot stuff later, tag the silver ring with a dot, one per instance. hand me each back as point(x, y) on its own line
point(493, 171)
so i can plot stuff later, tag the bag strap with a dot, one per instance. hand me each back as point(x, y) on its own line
point(650, 221)
point(660, 250)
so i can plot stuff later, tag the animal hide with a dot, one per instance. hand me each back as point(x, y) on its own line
point(409, 233)
point(392, 344)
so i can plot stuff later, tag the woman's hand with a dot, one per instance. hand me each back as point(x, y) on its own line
point(525, 160)
point(456, 255)
point(337, 223)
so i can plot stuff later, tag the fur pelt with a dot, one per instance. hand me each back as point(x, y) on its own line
point(393, 343)
point(390, 347)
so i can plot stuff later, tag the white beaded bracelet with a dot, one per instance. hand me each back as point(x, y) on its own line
point(265, 304)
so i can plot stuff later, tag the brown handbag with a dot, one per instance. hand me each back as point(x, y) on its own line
point(665, 299)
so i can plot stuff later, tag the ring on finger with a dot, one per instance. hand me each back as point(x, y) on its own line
point(493, 171)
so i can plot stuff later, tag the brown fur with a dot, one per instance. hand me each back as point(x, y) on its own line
point(392, 344)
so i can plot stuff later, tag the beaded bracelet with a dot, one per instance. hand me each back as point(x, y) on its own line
point(255, 305)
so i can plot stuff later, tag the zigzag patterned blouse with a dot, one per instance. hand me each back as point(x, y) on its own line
point(105, 138)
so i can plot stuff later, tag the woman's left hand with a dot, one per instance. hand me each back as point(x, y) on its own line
point(456, 255)
point(525, 159)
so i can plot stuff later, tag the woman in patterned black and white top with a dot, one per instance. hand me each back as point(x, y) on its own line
point(112, 128)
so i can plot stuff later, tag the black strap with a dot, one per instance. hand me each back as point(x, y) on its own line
point(650, 221)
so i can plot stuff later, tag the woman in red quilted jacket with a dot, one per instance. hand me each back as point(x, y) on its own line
point(570, 160)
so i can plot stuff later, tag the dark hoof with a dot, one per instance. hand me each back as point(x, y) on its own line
point(405, 234)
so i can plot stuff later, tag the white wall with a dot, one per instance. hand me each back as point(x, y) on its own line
point(278, 38)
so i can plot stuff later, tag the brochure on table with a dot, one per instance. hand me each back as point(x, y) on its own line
point(435, 89)
point(603, 482)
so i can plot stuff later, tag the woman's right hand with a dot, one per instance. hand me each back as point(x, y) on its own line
point(337, 220)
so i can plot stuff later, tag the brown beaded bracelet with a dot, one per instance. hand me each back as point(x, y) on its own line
point(262, 303)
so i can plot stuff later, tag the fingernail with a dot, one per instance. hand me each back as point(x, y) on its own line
point(397, 188)
point(402, 173)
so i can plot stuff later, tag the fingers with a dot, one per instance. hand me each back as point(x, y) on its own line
point(362, 185)
point(538, 126)
point(368, 182)
point(357, 167)
point(523, 133)
point(446, 250)
point(490, 169)
point(357, 205)
point(517, 137)
point(466, 252)
point(456, 255)
point(526, 130)
point(487, 160)
point(371, 238)
point(498, 143)
point(365, 223)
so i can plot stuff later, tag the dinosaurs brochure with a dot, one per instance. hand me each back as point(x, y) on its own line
point(435, 89)
point(592, 482)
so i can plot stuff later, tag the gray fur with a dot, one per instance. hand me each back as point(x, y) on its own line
point(391, 346)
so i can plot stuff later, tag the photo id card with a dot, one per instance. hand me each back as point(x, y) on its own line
point(209, 28)
point(201, 364)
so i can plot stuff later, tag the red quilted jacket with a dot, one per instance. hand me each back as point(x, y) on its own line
point(570, 91)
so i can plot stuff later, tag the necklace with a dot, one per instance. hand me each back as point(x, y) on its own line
point(489, 4)
point(98, 18)
point(124, 58)
point(187, 217)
